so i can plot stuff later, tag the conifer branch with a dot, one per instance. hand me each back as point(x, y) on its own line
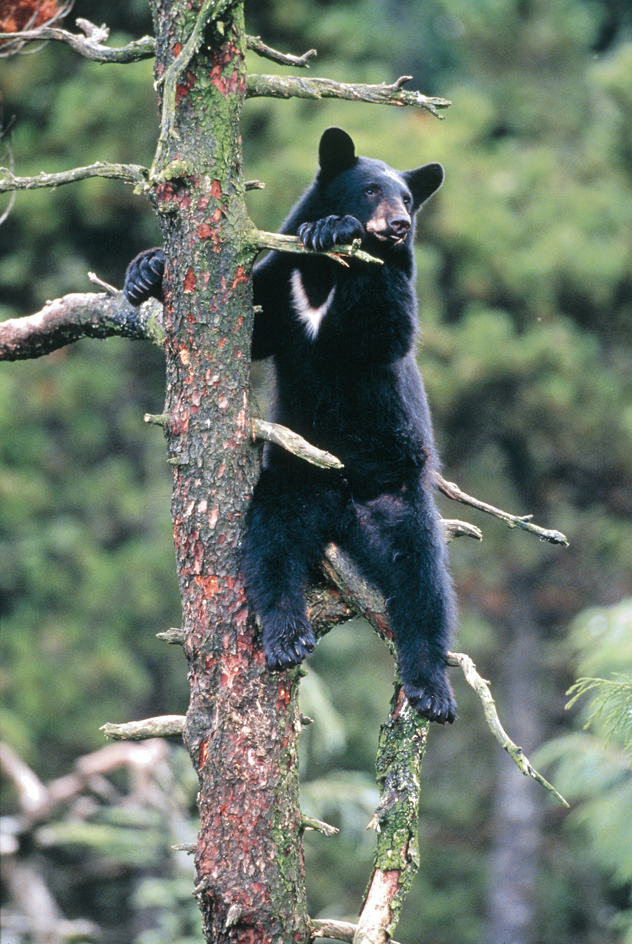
point(401, 750)
point(366, 601)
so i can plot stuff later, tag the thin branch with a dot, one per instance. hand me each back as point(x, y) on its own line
point(366, 601)
point(302, 62)
point(282, 436)
point(164, 726)
point(129, 173)
point(175, 637)
point(107, 288)
point(335, 930)
point(279, 241)
point(310, 822)
point(482, 689)
point(276, 86)
point(89, 46)
point(454, 528)
point(77, 316)
point(514, 521)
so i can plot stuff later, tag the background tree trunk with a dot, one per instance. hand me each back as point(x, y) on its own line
point(517, 816)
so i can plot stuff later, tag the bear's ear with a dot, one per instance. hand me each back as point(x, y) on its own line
point(423, 182)
point(336, 153)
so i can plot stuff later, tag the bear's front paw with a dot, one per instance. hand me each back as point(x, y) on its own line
point(143, 278)
point(324, 234)
point(432, 699)
point(288, 645)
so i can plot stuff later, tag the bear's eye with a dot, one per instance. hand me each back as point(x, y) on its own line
point(407, 199)
point(371, 190)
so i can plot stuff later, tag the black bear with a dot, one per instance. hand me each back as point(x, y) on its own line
point(342, 339)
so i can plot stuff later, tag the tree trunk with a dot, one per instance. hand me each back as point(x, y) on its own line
point(516, 824)
point(242, 721)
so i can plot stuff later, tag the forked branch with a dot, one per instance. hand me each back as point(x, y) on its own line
point(90, 45)
point(514, 521)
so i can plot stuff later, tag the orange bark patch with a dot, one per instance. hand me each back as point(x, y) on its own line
point(216, 190)
point(209, 585)
point(183, 88)
point(240, 276)
point(189, 282)
point(226, 84)
point(203, 753)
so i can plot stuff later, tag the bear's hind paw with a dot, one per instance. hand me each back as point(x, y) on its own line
point(436, 703)
point(285, 653)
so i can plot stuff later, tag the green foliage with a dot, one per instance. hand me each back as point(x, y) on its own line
point(594, 768)
point(87, 576)
point(610, 707)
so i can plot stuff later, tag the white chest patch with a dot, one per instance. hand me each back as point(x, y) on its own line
point(310, 316)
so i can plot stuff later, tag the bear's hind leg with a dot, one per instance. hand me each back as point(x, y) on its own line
point(399, 544)
point(288, 527)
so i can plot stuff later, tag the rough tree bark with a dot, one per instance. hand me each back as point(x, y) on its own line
point(242, 721)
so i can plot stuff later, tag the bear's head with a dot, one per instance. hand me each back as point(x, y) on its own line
point(383, 199)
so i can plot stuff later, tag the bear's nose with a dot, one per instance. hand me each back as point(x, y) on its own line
point(400, 226)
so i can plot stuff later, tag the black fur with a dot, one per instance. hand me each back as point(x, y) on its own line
point(342, 339)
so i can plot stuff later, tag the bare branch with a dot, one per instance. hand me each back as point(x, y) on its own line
point(310, 822)
point(454, 528)
point(335, 930)
point(276, 86)
point(365, 600)
point(9, 155)
point(31, 792)
point(514, 521)
point(90, 46)
point(164, 726)
point(294, 443)
point(279, 241)
point(76, 316)
point(302, 62)
point(129, 173)
point(175, 637)
point(482, 689)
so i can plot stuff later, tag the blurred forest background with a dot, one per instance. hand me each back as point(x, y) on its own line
point(525, 284)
